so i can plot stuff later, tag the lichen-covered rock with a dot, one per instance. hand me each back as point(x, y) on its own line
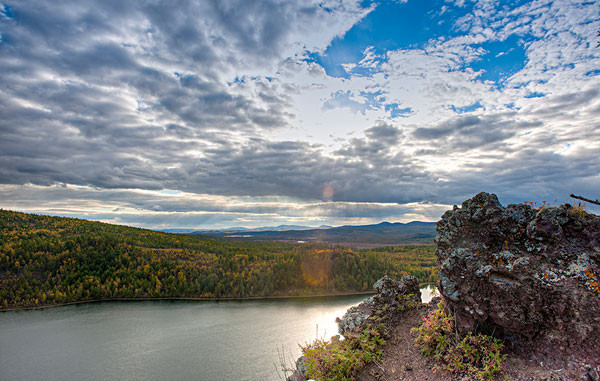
point(529, 273)
point(299, 374)
point(391, 296)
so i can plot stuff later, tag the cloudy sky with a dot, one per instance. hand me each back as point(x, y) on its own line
point(212, 114)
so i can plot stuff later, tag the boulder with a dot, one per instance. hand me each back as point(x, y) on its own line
point(300, 373)
point(522, 272)
point(391, 296)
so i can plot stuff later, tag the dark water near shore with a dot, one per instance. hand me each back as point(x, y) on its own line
point(163, 340)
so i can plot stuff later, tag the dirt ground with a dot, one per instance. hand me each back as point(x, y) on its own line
point(404, 362)
point(402, 358)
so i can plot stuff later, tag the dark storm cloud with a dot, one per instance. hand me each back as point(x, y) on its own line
point(446, 128)
point(538, 173)
point(569, 104)
point(474, 131)
point(384, 132)
point(105, 148)
point(199, 34)
point(299, 169)
point(375, 147)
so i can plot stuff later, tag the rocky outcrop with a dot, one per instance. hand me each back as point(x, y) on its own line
point(386, 306)
point(391, 296)
point(523, 272)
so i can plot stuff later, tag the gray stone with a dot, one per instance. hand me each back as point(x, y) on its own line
point(390, 294)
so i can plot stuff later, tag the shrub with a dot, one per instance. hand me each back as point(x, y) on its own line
point(578, 211)
point(406, 302)
point(339, 359)
point(477, 356)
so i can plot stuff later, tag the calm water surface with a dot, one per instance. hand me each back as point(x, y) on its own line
point(164, 340)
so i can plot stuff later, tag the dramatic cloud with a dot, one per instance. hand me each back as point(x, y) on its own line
point(237, 113)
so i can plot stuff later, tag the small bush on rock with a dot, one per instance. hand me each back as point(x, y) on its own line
point(365, 329)
point(339, 359)
point(477, 356)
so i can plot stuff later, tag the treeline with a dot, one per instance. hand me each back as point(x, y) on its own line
point(49, 260)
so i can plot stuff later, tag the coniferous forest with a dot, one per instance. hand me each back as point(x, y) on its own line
point(48, 260)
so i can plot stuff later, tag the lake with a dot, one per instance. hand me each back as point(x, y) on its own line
point(165, 340)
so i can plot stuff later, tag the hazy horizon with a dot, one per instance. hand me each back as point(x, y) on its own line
point(263, 227)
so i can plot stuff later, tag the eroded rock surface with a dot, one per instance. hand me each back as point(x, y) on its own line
point(524, 272)
point(391, 296)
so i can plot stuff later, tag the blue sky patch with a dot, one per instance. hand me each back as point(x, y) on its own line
point(535, 94)
point(503, 59)
point(6, 12)
point(390, 26)
point(373, 97)
point(373, 100)
point(397, 112)
point(470, 108)
point(394, 25)
point(341, 99)
point(593, 73)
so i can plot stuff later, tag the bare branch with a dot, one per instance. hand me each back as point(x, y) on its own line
point(597, 202)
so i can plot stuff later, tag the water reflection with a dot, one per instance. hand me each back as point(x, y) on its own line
point(159, 340)
point(429, 292)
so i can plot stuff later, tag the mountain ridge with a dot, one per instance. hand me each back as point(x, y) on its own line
point(381, 233)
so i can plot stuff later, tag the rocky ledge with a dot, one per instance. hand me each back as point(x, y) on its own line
point(387, 306)
point(391, 296)
point(528, 275)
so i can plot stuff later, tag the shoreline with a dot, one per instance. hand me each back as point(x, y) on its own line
point(199, 299)
point(188, 298)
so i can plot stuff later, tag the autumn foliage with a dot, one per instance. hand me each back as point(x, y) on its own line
point(51, 260)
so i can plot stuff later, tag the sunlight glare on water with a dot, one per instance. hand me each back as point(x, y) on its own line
point(160, 340)
point(429, 292)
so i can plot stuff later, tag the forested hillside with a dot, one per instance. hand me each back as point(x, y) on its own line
point(48, 260)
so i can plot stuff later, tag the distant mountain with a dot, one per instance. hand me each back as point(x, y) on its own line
point(282, 228)
point(176, 231)
point(382, 233)
point(218, 232)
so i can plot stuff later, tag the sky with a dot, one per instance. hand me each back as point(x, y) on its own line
point(216, 114)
